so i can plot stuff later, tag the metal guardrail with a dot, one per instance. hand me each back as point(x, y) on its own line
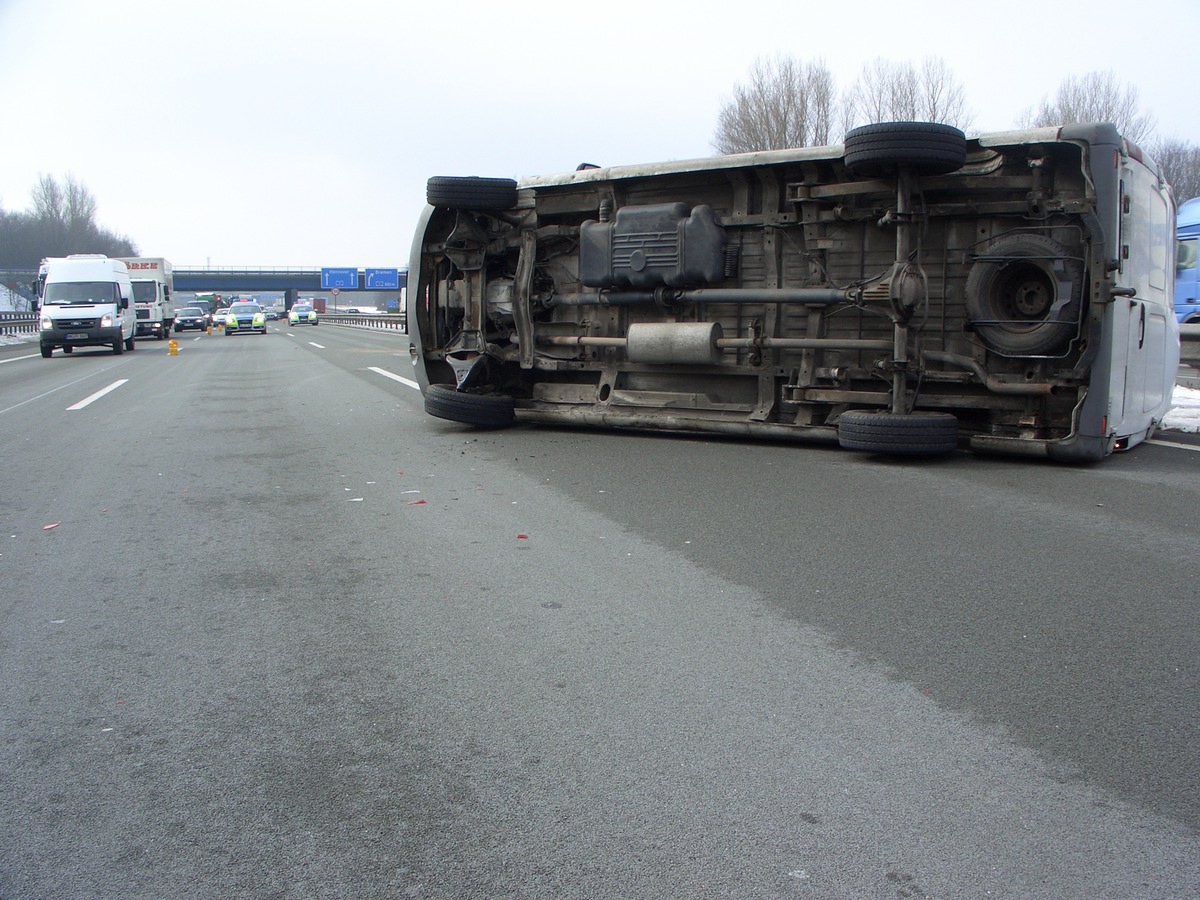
point(367, 320)
point(18, 323)
point(1189, 344)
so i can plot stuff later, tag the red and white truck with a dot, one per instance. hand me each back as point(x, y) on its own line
point(153, 285)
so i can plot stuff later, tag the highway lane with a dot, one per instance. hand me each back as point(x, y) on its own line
point(326, 645)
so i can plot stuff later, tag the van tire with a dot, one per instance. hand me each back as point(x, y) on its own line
point(1015, 299)
point(47, 352)
point(68, 350)
point(129, 345)
point(481, 410)
point(118, 347)
point(472, 192)
point(928, 148)
point(908, 434)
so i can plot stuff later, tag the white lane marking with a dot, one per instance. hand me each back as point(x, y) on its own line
point(392, 375)
point(1156, 442)
point(96, 396)
point(19, 358)
point(53, 390)
point(315, 344)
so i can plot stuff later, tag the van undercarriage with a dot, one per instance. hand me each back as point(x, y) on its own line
point(910, 292)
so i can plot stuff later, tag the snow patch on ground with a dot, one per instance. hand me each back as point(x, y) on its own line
point(1185, 410)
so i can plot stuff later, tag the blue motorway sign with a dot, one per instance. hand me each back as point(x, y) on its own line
point(339, 278)
point(382, 279)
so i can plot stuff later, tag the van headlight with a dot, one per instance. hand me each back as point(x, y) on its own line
point(47, 323)
point(106, 320)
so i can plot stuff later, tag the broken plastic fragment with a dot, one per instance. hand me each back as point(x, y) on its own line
point(414, 503)
point(51, 525)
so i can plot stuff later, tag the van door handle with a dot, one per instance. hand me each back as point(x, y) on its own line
point(1142, 333)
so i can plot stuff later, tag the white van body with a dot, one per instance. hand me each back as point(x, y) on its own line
point(86, 300)
point(153, 286)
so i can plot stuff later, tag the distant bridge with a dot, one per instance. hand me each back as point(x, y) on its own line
point(250, 281)
point(228, 281)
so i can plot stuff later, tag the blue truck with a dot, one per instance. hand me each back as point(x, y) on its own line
point(1187, 288)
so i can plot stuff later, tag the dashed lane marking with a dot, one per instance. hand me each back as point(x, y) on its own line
point(392, 375)
point(86, 401)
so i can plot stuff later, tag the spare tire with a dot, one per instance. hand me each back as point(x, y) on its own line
point(928, 148)
point(1025, 295)
point(909, 434)
point(481, 410)
point(472, 192)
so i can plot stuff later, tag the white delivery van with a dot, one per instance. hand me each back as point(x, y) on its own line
point(153, 285)
point(86, 300)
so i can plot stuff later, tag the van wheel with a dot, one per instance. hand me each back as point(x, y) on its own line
point(483, 410)
point(928, 148)
point(48, 351)
point(118, 346)
point(471, 193)
point(1024, 295)
point(129, 343)
point(911, 434)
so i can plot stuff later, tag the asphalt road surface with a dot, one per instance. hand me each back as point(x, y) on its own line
point(268, 630)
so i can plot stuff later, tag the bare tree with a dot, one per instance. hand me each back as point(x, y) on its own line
point(1181, 165)
point(900, 92)
point(1095, 97)
point(62, 221)
point(48, 217)
point(79, 212)
point(785, 103)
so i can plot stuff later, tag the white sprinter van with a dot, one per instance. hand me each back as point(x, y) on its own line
point(86, 300)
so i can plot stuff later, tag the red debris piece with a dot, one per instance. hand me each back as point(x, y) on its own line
point(522, 537)
point(414, 503)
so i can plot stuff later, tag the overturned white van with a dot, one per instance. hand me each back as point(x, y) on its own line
point(912, 291)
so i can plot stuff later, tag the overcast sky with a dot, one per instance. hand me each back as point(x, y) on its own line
point(302, 133)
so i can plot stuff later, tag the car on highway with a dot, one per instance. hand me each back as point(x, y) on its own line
point(245, 317)
point(302, 314)
point(191, 317)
